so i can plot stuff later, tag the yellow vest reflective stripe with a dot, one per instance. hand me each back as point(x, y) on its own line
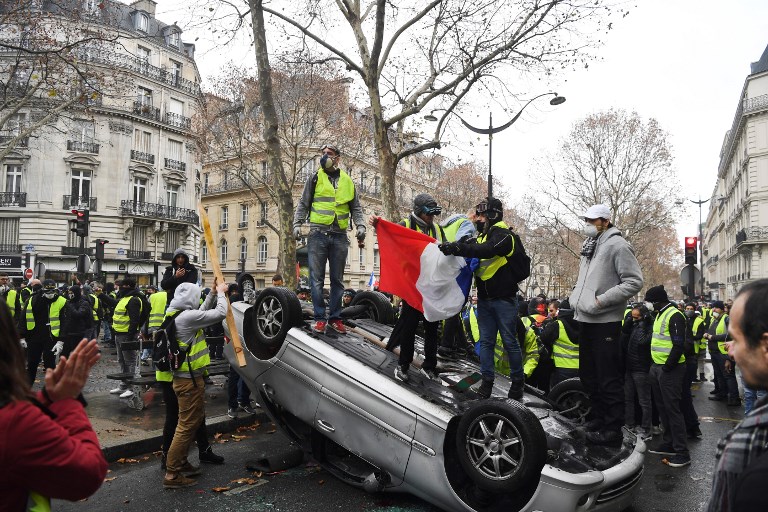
point(120, 319)
point(661, 341)
point(697, 345)
point(197, 355)
point(95, 307)
point(54, 315)
point(331, 203)
point(565, 353)
point(38, 503)
point(157, 303)
point(11, 299)
point(720, 329)
point(488, 267)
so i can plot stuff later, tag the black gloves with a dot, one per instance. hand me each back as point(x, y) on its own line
point(449, 248)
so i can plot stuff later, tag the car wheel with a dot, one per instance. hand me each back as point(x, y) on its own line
point(571, 399)
point(267, 323)
point(501, 445)
point(378, 307)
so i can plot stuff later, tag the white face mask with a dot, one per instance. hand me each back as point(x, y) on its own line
point(715, 314)
point(590, 230)
point(649, 305)
point(49, 295)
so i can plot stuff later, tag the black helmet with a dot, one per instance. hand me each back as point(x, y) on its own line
point(491, 208)
point(49, 284)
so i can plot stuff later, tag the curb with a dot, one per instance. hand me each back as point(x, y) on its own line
point(154, 438)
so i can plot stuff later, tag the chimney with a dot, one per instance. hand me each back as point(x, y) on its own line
point(147, 6)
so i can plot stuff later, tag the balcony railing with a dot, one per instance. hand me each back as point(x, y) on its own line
point(138, 255)
point(71, 201)
point(142, 67)
point(140, 156)
point(242, 225)
point(178, 120)
point(753, 234)
point(146, 111)
point(75, 251)
point(166, 256)
point(6, 139)
point(10, 248)
point(223, 227)
point(158, 211)
point(83, 147)
point(175, 164)
point(13, 199)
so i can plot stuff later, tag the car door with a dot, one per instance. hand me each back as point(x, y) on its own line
point(293, 382)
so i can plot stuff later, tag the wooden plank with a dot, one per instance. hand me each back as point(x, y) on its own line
point(213, 257)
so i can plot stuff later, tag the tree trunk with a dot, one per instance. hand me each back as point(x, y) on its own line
point(387, 159)
point(286, 261)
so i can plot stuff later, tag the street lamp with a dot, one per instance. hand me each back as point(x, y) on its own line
point(701, 240)
point(557, 100)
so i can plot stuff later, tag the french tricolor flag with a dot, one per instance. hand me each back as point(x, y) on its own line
point(413, 268)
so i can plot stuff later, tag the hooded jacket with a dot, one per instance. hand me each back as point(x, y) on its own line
point(77, 316)
point(194, 315)
point(612, 275)
point(170, 281)
point(637, 345)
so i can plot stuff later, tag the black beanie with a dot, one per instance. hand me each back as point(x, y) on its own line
point(656, 294)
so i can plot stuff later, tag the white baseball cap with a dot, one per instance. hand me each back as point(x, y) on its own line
point(597, 211)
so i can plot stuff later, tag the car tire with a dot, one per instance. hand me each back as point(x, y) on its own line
point(501, 445)
point(275, 312)
point(379, 308)
point(571, 399)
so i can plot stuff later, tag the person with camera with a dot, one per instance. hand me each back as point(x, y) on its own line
point(496, 292)
point(48, 449)
point(329, 199)
point(180, 271)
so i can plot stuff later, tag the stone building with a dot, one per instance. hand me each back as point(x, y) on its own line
point(125, 151)
point(736, 230)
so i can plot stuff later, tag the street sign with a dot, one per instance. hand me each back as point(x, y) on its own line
point(10, 263)
point(28, 273)
point(685, 275)
point(29, 248)
point(83, 263)
point(121, 252)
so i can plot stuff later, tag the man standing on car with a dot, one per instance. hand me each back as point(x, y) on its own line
point(329, 199)
point(496, 292)
point(180, 271)
point(608, 275)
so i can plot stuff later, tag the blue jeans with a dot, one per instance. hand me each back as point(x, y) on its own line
point(499, 316)
point(330, 247)
point(751, 396)
point(107, 331)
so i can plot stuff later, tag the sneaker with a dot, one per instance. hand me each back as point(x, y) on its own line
point(657, 430)
point(232, 413)
point(610, 438)
point(430, 374)
point(209, 457)
point(319, 326)
point(116, 391)
point(643, 434)
point(338, 326)
point(249, 408)
point(485, 389)
point(447, 354)
point(189, 469)
point(677, 460)
point(178, 482)
point(719, 398)
point(128, 393)
point(401, 373)
point(516, 389)
point(663, 449)
point(695, 433)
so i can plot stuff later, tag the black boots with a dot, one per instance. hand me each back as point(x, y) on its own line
point(485, 389)
point(516, 389)
point(209, 457)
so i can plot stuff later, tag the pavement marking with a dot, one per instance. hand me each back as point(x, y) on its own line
point(243, 488)
point(715, 418)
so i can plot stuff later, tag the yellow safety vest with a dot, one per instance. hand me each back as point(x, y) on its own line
point(440, 235)
point(11, 299)
point(54, 315)
point(197, 355)
point(38, 503)
point(501, 358)
point(697, 345)
point(95, 307)
point(120, 319)
point(661, 341)
point(452, 229)
point(331, 203)
point(488, 267)
point(720, 329)
point(565, 353)
point(157, 303)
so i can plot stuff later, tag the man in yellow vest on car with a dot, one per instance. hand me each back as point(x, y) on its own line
point(329, 200)
point(667, 374)
point(42, 327)
point(131, 311)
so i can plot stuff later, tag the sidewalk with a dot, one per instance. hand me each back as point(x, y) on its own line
point(126, 432)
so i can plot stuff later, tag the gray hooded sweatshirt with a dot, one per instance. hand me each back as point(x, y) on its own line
point(611, 276)
point(194, 315)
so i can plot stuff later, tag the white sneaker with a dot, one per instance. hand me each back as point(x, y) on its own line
point(116, 391)
point(127, 394)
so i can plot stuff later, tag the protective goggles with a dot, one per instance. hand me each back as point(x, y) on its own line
point(332, 148)
point(481, 209)
point(431, 210)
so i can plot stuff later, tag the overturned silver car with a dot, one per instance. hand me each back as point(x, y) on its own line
point(336, 396)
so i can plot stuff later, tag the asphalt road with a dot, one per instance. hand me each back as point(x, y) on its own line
point(137, 486)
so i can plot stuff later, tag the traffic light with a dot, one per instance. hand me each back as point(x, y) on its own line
point(81, 224)
point(690, 250)
point(100, 249)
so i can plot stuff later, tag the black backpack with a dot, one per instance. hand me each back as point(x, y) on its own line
point(167, 355)
point(519, 262)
